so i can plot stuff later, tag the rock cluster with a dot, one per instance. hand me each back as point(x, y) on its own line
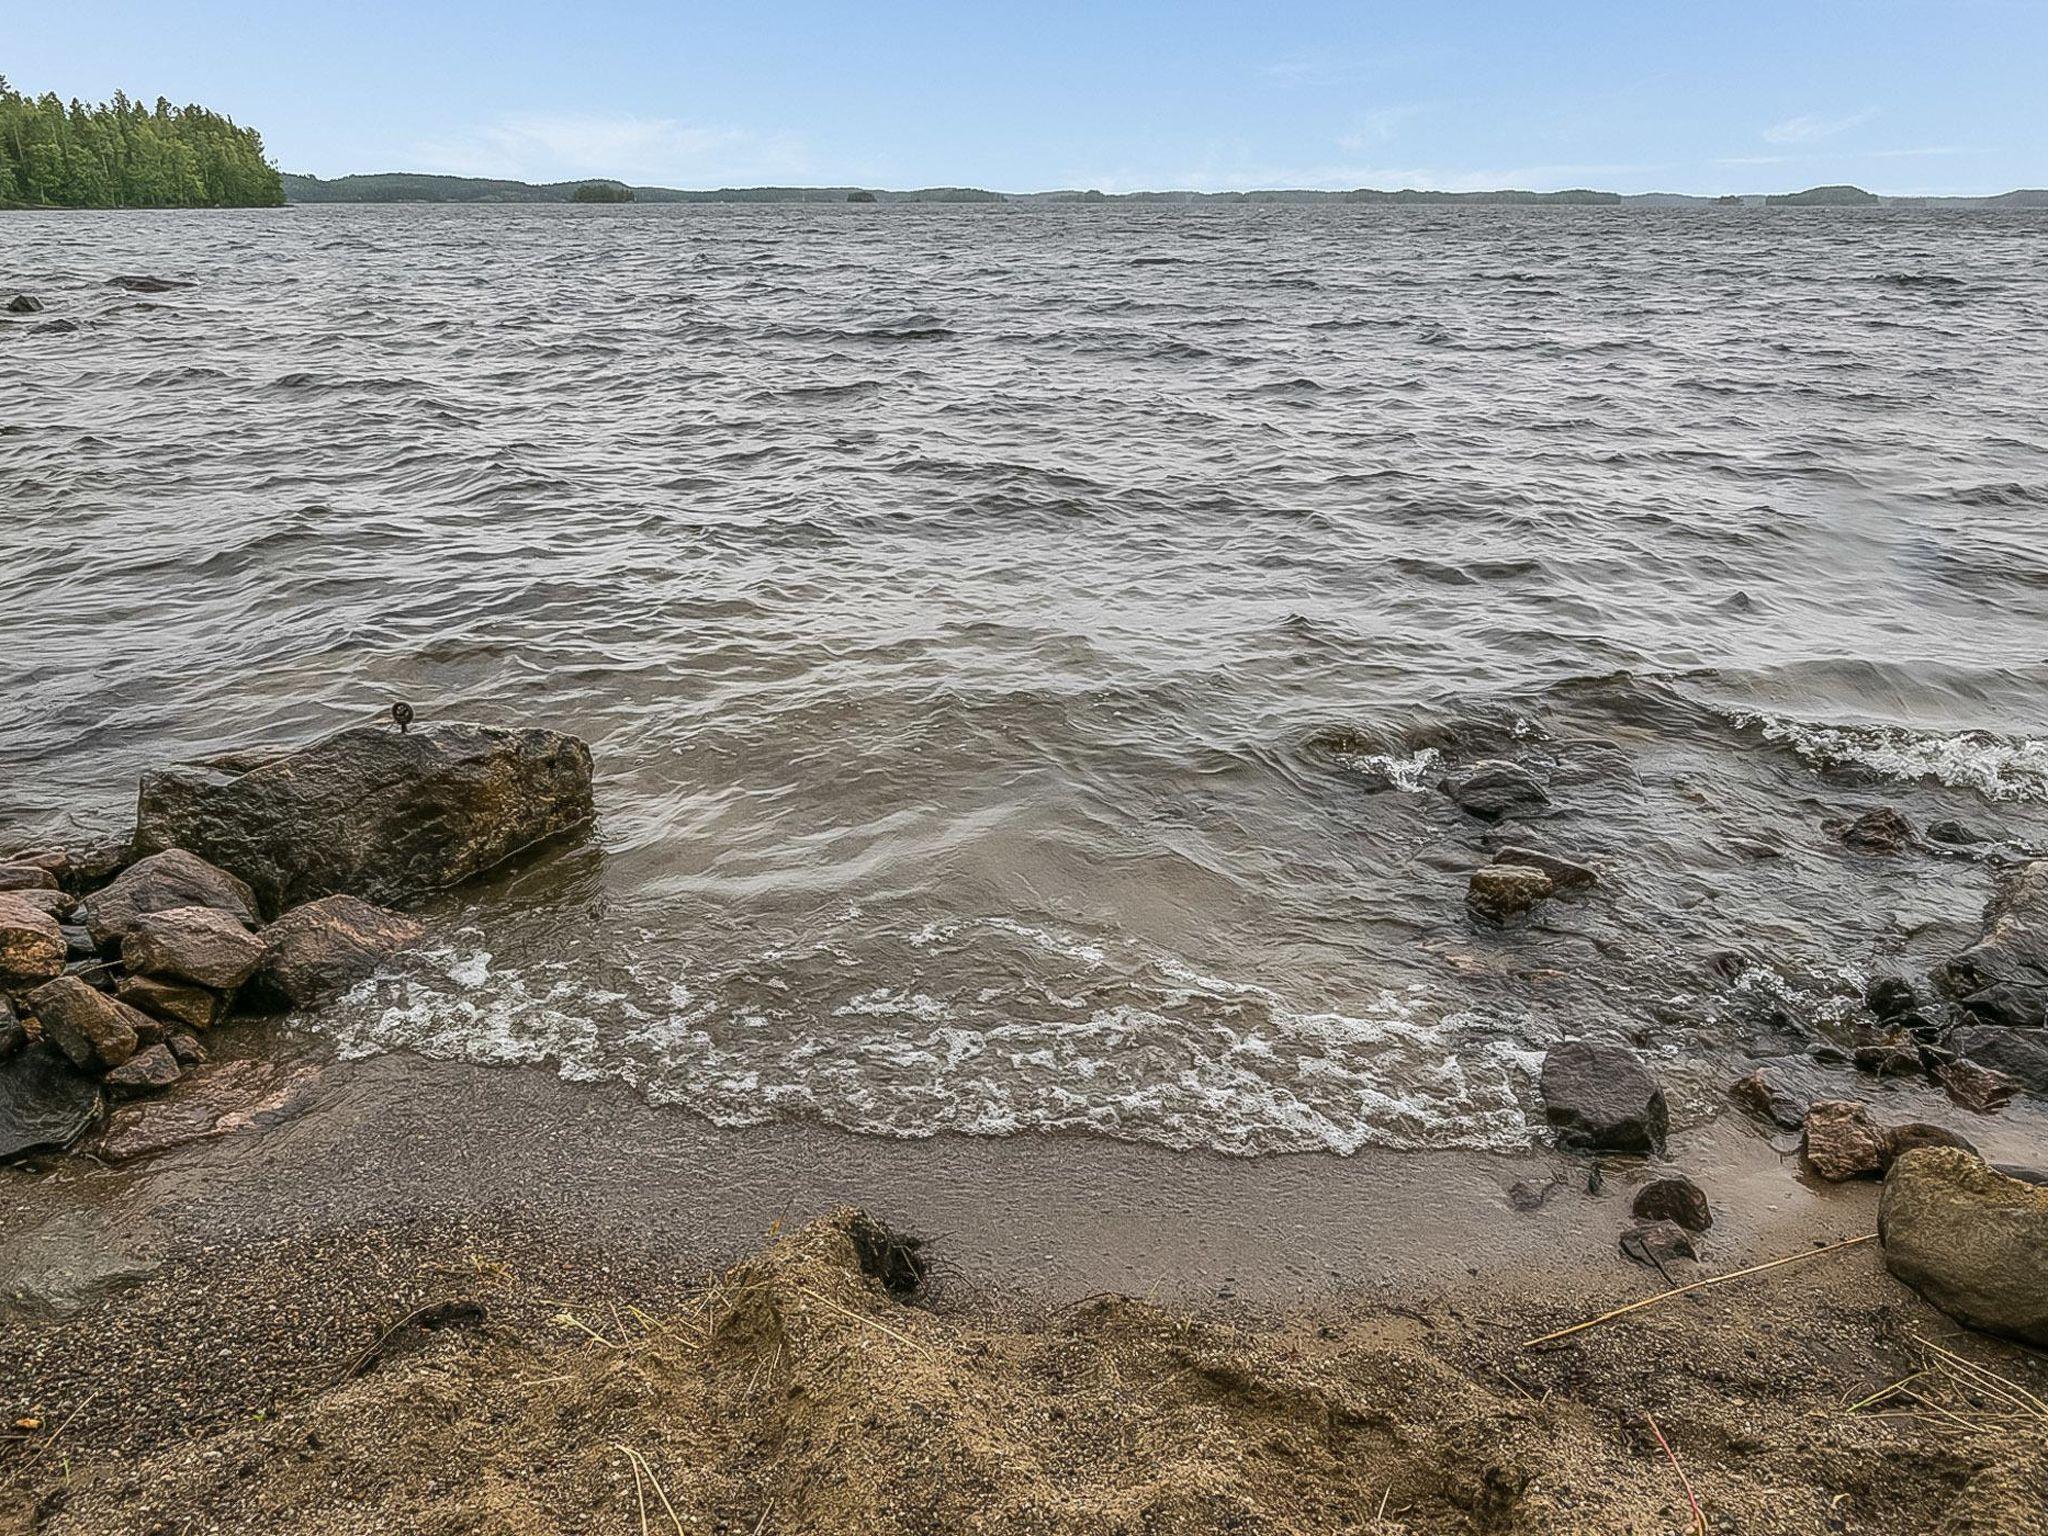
point(115, 962)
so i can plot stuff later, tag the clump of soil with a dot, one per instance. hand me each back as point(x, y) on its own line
point(802, 1392)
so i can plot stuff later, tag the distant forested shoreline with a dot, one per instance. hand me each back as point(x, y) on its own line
point(422, 187)
point(121, 154)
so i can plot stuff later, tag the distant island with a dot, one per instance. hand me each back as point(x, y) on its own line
point(121, 154)
point(414, 187)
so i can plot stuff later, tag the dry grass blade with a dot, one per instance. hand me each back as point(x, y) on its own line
point(642, 1466)
point(1697, 1285)
point(1699, 1519)
point(879, 1327)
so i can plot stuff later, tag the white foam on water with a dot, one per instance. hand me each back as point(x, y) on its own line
point(1996, 767)
point(1407, 772)
point(1184, 1059)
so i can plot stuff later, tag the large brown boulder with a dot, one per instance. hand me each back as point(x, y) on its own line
point(199, 945)
point(171, 1001)
point(31, 943)
point(173, 877)
point(371, 811)
point(94, 1030)
point(1971, 1240)
point(325, 947)
point(1602, 1098)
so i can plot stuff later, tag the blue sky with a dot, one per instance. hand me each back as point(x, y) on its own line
point(1708, 96)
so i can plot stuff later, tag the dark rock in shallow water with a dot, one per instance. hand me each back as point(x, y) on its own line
point(1887, 1060)
point(1971, 1240)
point(1977, 1087)
point(1600, 1096)
point(1496, 790)
point(1656, 1243)
point(1675, 1198)
point(2021, 1054)
point(1954, 834)
point(24, 304)
point(1882, 830)
point(147, 284)
point(150, 1070)
point(214, 1100)
point(1564, 873)
point(92, 1029)
point(13, 1035)
point(160, 883)
point(90, 868)
point(197, 945)
point(1890, 996)
point(372, 812)
point(44, 1102)
point(78, 944)
point(2003, 977)
point(31, 943)
point(326, 947)
point(1499, 892)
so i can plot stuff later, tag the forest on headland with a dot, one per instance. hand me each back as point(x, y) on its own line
point(122, 154)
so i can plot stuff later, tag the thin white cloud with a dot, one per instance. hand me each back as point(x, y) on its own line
point(635, 149)
point(1345, 177)
point(1810, 128)
point(1376, 127)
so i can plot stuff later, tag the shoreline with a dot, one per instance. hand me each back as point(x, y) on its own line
point(201, 1297)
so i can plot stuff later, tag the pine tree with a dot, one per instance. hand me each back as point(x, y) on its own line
point(120, 154)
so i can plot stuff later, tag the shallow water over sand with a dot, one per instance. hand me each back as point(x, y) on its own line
point(1021, 644)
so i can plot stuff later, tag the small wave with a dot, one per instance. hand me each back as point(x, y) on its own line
point(1997, 767)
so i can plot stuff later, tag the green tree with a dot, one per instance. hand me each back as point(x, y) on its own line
point(119, 154)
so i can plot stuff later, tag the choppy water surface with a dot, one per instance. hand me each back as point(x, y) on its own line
point(1021, 644)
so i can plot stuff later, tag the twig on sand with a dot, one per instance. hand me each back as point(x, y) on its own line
point(51, 1438)
point(1699, 1520)
point(642, 1465)
point(1697, 1285)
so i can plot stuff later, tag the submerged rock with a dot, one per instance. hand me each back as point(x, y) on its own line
point(1675, 1198)
point(325, 947)
point(1976, 1087)
point(150, 1070)
point(32, 948)
point(1566, 874)
point(44, 1101)
point(2003, 977)
point(162, 882)
point(95, 1031)
point(1600, 1096)
point(1891, 997)
point(1971, 1240)
point(2021, 1054)
point(214, 1100)
point(1656, 1243)
point(371, 812)
point(24, 304)
point(1882, 830)
point(148, 284)
point(199, 945)
point(1496, 789)
point(1502, 891)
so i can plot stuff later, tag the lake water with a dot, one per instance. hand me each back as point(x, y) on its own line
point(1021, 644)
